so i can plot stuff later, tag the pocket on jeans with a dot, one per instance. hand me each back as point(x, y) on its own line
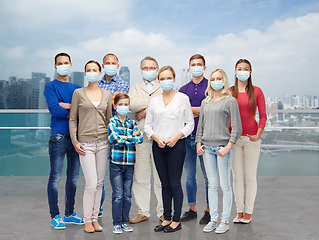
point(56, 137)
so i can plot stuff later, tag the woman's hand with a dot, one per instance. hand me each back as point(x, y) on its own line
point(253, 138)
point(79, 150)
point(200, 149)
point(161, 143)
point(223, 151)
point(172, 141)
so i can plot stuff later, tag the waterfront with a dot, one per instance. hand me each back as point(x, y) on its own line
point(293, 163)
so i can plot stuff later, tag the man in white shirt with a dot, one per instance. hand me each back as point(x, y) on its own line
point(140, 95)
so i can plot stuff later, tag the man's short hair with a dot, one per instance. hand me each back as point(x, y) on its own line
point(197, 56)
point(149, 58)
point(111, 54)
point(62, 54)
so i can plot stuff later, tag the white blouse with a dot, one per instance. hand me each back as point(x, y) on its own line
point(167, 121)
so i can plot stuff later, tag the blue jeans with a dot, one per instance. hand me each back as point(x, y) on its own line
point(59, 146)
point(121, 178)
point(190, 168)
point(216, 165)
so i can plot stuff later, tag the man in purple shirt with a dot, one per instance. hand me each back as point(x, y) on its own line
point(195, 90)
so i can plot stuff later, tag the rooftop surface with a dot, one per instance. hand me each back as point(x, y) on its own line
point(285, 208)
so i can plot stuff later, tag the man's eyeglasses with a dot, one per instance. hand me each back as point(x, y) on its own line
point(149, 68)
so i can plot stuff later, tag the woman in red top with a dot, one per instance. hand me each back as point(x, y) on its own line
point(249, 98)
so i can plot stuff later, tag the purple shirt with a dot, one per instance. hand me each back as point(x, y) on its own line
point(196, 94)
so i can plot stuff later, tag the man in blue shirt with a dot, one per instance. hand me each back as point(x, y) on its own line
point(111, 80)
point(195, 90)
point(58, 94)
point(113, 83)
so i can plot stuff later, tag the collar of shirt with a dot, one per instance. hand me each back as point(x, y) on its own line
point(118, 119)
point(199, 84)
point(149, 84)
point(114, 79)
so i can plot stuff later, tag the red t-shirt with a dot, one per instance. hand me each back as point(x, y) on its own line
point(249, 124)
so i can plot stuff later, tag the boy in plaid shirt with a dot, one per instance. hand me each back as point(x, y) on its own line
point(123, 135)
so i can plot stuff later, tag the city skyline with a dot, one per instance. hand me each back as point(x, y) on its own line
point(24, 93)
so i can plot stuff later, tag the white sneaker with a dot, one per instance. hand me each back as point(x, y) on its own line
point(210, 227)
point(222, 228)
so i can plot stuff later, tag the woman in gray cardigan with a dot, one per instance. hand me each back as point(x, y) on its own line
point(91, 109)
point(219, 110)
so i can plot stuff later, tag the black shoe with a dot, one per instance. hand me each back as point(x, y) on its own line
point(205, 219)
point(170, 229)
point(188, 216)
point(99, 215)
point(160, 228)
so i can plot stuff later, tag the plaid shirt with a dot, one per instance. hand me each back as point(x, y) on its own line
point(123, 151)
point(116, 84)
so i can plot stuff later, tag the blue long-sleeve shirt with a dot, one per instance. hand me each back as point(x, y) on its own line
point(56, 92)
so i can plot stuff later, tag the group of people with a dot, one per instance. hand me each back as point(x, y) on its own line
point(169, 130)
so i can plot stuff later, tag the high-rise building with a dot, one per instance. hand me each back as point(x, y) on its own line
point(186, 77)
point(35, 91)
point(280, 106)
point(125, 74)
point(77, 78)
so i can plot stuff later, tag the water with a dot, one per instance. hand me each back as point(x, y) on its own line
point(294, 163)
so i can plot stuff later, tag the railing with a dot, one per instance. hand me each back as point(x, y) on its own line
point(287, 150)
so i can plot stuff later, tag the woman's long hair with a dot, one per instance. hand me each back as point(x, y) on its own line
point(249, 88)
point(210, 93)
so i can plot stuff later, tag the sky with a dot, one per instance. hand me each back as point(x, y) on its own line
point(280, 38)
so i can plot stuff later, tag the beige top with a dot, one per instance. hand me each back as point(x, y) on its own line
point(140, 98)
point(89, 123)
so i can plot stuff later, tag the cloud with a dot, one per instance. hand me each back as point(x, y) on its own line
point(35, 14)
point(283, 56)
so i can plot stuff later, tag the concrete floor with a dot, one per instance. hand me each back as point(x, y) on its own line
point(286, 208)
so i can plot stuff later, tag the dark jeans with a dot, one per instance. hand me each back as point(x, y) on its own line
point(169, 165)
point(121, 178)
point(59, 146)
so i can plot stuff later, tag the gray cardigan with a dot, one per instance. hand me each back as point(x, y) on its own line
point(89, 123)
point(214, 121)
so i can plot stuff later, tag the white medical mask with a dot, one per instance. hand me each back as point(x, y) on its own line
point(63, 69)
point(243, 75)
point(197, 71)
point(92, 76)
point(217, 85)
point(167, 85)
point(123, 110)
point(110, 70)
point(149, 75)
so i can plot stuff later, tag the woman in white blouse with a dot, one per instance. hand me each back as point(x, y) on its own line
point(169, 120)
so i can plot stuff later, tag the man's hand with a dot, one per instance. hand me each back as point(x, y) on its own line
point(123, 137)
point(140, 115)
point(135, 133)
point(65, 105)
point(196, 111)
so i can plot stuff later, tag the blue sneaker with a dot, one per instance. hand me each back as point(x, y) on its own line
point(126, 228)
point(57, 222)
point(117, 229)
point(73, 219)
